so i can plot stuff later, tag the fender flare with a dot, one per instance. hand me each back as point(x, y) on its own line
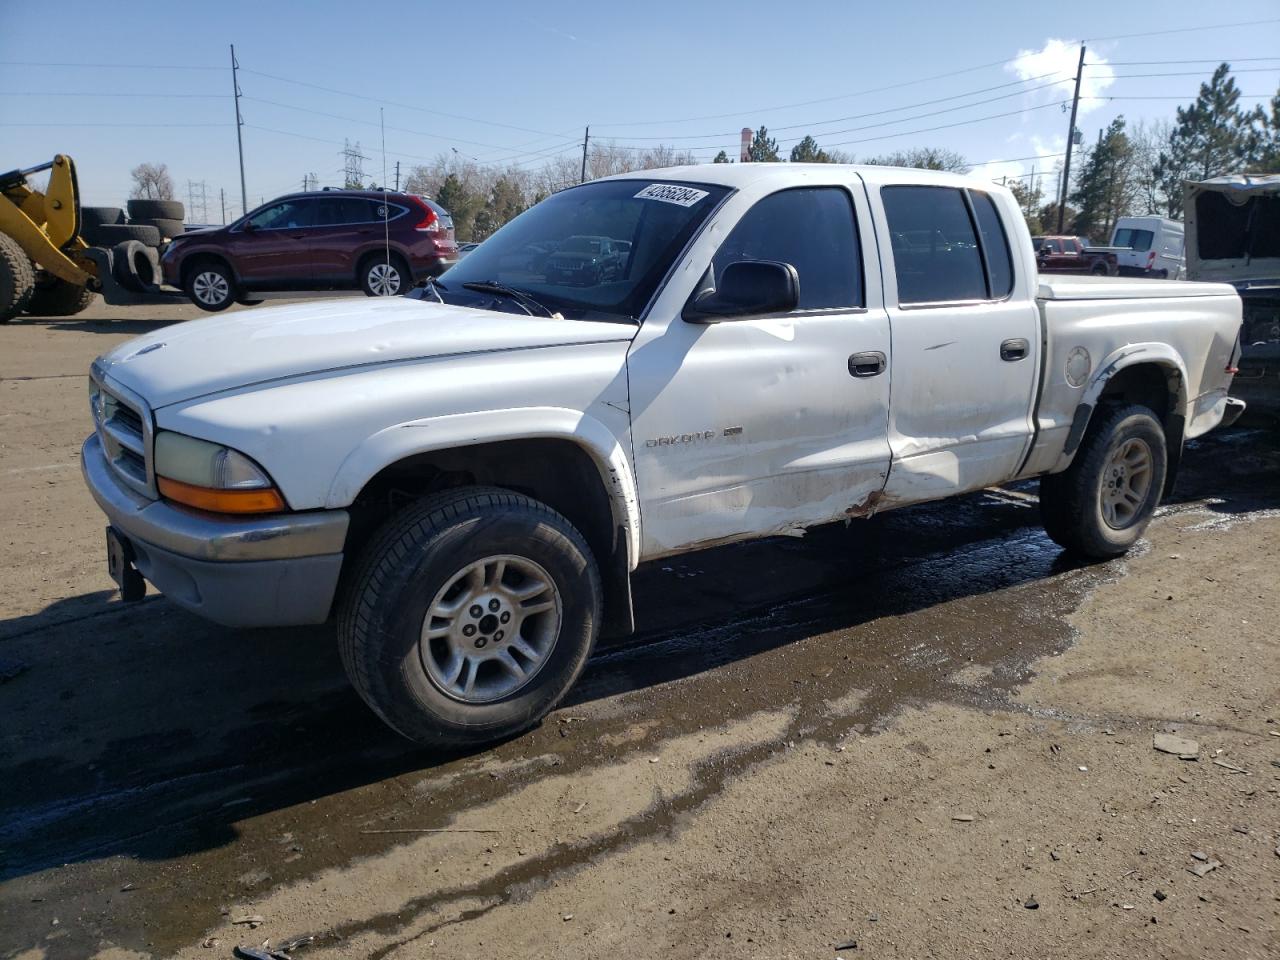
point(430, 434)
point(1130, 355)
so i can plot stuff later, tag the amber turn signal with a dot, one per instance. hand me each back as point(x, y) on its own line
point(221, 501)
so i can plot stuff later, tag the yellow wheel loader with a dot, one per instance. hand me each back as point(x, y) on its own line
point(46, 267)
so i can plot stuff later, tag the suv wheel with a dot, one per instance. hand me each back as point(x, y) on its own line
point(211, 286)
point(469, 616)
point(383, 277)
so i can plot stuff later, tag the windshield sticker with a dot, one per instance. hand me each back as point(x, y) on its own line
point(671, 193)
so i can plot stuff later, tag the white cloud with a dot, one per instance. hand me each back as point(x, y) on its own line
point(1059, 59)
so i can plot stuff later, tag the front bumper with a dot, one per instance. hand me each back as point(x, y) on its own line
point(276, 570)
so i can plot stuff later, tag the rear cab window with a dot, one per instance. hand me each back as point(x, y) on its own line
point(949, 245)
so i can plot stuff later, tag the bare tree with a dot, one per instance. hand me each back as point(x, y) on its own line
point(928, 158)
point(151, 181)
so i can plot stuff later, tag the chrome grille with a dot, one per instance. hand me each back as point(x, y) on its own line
point(124, 427)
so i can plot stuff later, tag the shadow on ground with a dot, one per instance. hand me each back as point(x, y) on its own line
point(146, 732)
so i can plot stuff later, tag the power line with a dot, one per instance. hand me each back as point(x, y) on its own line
point(114, 125)
point(1146, 63)
point(106, 66)
point(393, 103)
point(1191, 73)
point(877, 113)
point(806, 103)
point(83, 94)
point(1161, 33)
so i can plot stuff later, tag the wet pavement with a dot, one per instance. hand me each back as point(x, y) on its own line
point(158, 768)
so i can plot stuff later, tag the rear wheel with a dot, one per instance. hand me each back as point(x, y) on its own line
point(382, 276)
point(17, 279)
point(1100, 505)
point(1099, 270)
point(210, 286)
point(470, 616)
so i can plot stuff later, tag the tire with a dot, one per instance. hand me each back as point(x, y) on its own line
point(210, 285)
point(168, 229)
point(1084, 509)
point(17, 279)
point(55, 297)
point(91, 217)
point(156, 209)
point(110, 234)
point(135, 265)
point(383, 277)
point(413, 565)
point(1099, 270)
point(248, 301)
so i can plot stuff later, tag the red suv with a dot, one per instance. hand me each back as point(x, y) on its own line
point(328, 240)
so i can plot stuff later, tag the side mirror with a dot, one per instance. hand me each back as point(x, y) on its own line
point(248, 227)
point(748, 288)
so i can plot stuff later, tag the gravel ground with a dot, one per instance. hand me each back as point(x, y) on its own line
point(928, 734)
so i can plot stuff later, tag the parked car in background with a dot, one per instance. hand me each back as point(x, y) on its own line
point(1150, 247)
point(1233, 236)
point(1071, 255)
point(586, 260)
point(328, 240)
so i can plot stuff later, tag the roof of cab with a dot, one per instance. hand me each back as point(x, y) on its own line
point(741, 174)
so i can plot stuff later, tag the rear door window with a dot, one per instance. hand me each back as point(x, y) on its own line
point(995, 245)
point(812, 229)
point(935, 248)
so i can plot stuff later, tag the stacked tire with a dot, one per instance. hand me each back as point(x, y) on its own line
point(134, 242)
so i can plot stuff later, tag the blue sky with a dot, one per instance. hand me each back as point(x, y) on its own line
point(518, 81)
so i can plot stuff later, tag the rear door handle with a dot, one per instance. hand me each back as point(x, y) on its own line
point(1014, 350)
point(869, 364)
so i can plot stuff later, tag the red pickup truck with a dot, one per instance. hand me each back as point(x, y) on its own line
point(1070, 255)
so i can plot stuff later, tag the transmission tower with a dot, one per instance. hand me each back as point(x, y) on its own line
point(352, 164)
point(197, 202)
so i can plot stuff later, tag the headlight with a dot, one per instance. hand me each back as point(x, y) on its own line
point(209, 476)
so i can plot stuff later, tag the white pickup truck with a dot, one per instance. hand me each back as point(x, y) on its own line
point(467, 477)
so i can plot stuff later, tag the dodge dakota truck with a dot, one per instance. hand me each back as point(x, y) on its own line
point(465, 478)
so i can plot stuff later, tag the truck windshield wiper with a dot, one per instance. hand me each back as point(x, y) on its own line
point(519, 296)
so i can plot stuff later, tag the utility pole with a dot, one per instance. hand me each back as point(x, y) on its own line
point(586, 139)
point(1071, 136)
point(235, 86)
point(223, 195)
point(397, 176)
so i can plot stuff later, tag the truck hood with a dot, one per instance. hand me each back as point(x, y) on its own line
point(1232, 228)
point(250, 347)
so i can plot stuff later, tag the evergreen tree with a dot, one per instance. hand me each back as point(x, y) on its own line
point(808, 151)
point(721, 157)
point(764, 149)
point(462, 204)
point(1267, 159)
point(1107, 186)
point(1213, 136)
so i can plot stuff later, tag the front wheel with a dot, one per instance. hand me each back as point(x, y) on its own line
point(1100, 505)
point(470, 616)
point(211, 287)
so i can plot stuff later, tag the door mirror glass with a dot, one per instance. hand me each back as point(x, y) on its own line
point(748, 288)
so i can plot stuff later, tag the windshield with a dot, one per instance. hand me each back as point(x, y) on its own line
point(1139, 240)
point(597, 251)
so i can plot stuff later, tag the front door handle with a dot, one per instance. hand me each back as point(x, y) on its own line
point(1015, 349)
point(869, 364)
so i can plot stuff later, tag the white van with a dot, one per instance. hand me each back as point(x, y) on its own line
point(1150, 247)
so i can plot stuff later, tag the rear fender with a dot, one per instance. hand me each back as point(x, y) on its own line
point(1161, 355)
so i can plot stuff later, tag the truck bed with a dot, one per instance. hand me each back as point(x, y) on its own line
point(1068, 287)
